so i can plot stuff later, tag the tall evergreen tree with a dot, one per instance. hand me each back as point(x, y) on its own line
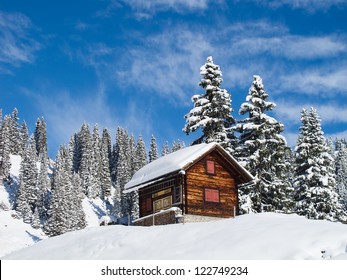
point(316, 196)
point(177, 145)
point(153, 150)
point(65, 210)
point(5, 148)
point(24, 138)
point(43, 188)
point(165, 149)
point(27, 195)
point(141, 154)
point(14, 132)
point(121, 171)
point(41, 137)
point(341, 171)
point(263, 151)
point(105, 174)
point(212, 110)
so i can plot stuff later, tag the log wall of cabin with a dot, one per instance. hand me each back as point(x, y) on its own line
point(197, 180)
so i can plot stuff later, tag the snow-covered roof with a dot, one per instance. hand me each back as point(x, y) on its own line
point(175, 162)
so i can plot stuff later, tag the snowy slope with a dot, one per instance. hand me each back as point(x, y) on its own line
point(14, 233)
point(254, 236)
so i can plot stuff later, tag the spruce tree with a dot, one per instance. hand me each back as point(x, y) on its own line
point(28, 178)
point(105, 175)
point(121, 171)
point(24, 137)
point(85, 159)
point(43, 188)
point(153, 150)
point(165, 149)
point(14, 132)
point(341, 171)
point(212, 109)
point(262, 150)
point(5, 148)
point(177, 145)
point(41, 137)
point(315, 185)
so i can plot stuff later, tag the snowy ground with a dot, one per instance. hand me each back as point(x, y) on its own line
point(258, 236)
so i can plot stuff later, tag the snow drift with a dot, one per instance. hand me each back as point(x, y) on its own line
point(266, 236)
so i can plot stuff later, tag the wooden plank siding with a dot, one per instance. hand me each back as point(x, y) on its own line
point(197, 180)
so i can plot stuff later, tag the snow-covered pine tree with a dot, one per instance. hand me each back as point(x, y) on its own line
point(341, 170)
point(314, 180)
point(263, 151)
point(5, 148)
point(57, 222)
point(94, 187)
point(177, 145)
point(43, 188)
point(153, 150)
point(24, 138)
point(141, 154)
point(105, 174)
point(85, 159)
point(28, 174)
point(140, 160)
point(165, 149)
point(121, 171)
point(35, 222)
point(212, 110)
point(107, 142)
point(41, 137)
point(27, 192)
point(14, 132)
point(65, 211)
point(79, 217)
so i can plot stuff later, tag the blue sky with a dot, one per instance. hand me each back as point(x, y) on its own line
point(136, 63)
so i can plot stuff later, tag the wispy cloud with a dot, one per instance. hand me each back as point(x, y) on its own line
point(290, 112)
point(17, 44)
point(309, 5)
point(168, 65)
point(325, 81)
point(146, 9)
point(290, 46)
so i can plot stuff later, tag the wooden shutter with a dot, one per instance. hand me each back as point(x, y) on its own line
point(211, 195)
point(210, 167)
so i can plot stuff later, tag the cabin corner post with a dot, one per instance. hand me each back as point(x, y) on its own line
point(184, 194)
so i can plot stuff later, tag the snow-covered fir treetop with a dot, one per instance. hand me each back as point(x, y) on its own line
point(171, 163)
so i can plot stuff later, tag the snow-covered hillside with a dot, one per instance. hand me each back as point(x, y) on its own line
point(14, 233)
point(255, 236)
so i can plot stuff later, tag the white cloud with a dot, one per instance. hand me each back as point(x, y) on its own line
point(290, 112)
point(154, 6)
point(324, 81)
point(167, 65)
point(309, 5)
point(17, 44)
point(146, 9)
point(290, 46)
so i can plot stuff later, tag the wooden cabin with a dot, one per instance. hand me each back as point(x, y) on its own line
point(201, 180)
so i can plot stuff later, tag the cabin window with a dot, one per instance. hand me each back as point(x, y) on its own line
point(210, 167)
point(211, 195)
point(162, 204)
